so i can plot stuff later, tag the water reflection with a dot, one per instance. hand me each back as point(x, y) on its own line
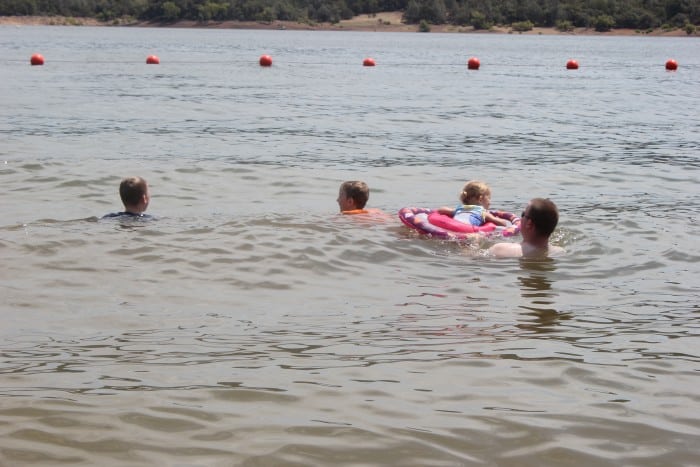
point(536, 279)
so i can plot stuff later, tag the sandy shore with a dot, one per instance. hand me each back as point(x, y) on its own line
point(384, 22)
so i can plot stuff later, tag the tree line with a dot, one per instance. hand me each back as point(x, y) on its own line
point(481, 14)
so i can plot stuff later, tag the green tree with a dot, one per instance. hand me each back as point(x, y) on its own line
point(460, 16)
point(530, 10)
point(604, 23)
point(18, 8)
point(267, 15)
point(482, 14)
point(412, 13)
point(634, 18)
point(433, 11)
point(479, 21)
point(171, 12)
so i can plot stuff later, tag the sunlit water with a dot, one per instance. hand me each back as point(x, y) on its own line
point(252, 325)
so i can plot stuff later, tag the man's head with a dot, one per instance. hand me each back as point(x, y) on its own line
point(134, 194)
point(543, 214)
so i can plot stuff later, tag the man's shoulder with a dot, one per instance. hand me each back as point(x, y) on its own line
point(506, 250)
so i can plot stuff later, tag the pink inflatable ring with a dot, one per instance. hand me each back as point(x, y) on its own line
point(430, 222)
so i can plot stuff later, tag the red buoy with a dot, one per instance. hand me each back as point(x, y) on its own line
point(152, 60)
point(265, 60)
point(37, 59)
point(368, 62)
point(572, 65)
point(671, 65)
point(473, 63)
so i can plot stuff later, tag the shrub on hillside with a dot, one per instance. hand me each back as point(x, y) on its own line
point(604, 23)
point(564, 26)
point(522, 26)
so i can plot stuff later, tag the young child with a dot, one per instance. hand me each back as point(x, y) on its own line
point(135, 195)
point(353, 197)
point(474, 210)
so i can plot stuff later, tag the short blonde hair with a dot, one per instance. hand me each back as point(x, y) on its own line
point(473, 190)
point(357, 191)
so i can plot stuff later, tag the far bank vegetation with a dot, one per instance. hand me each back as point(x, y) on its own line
point(520, 15)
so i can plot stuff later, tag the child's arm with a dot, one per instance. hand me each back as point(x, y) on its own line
point(446, 211)
point(488, 217)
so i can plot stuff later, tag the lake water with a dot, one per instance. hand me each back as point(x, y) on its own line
point(252, 325)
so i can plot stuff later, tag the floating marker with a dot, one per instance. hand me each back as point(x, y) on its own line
point(152, 60)
point(265, 60)
point(368, 62)
point(473, 63)
point(671, 65)
point(37, 59)
point(572, 65)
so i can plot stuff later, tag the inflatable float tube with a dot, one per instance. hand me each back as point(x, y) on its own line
point(431, 222)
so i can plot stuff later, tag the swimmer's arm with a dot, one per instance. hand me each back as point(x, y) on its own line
point(488, 217)
point(446, 211)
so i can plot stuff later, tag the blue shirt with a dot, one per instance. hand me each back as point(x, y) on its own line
point(472, 214)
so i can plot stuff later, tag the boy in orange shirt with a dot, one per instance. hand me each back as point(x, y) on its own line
point(353, 197)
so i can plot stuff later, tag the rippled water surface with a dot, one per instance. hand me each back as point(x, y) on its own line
point(252, 325)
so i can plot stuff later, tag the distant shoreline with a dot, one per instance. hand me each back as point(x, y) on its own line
point(381, 22)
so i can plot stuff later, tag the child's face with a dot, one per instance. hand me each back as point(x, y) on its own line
point(485, 200)
point(345, 203)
